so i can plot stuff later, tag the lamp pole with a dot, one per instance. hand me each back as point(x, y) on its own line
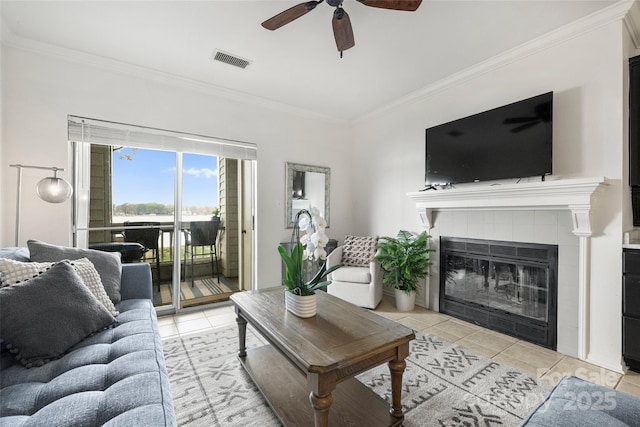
point(19, 190)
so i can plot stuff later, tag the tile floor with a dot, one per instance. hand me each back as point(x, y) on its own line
point(534, 360)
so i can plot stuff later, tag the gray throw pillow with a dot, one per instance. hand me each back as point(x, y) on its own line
point(106, 263)
point(41, 318)
point(16, 272)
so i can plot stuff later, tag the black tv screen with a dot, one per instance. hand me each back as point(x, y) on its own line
point(512, 141)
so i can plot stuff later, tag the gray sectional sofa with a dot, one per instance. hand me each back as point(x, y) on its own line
point(575, 402)
point(113, 377)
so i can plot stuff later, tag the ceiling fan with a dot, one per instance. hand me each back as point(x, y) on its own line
point(342, 30)
point(542, 115)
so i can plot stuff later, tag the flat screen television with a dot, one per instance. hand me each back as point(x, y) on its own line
point(512, 141)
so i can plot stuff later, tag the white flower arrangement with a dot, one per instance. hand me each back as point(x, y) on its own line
point(315, 239)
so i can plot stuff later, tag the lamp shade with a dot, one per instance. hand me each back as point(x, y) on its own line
point(54, 190)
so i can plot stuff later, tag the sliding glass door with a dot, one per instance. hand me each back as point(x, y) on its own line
point(143, 210)
point(184, 213)
point(203, 232)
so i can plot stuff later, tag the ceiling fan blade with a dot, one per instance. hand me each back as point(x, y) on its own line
point(342, 30)
point(408, 5)
point(516, 120)
point(291, 14)
point(525, 126)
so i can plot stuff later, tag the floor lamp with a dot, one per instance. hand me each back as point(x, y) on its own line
point(50, 189)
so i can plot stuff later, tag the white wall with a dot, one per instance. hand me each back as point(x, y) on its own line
point(585, 72)
point(39, 91)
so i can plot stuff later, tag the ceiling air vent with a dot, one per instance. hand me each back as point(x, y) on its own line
point(230, 59)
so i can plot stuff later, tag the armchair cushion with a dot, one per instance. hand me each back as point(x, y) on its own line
point(361, 286)
point(352, 274)
point(358, 251)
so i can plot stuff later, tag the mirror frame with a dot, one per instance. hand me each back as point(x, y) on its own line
point(294, 167)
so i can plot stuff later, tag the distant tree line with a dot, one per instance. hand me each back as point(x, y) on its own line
point(130, 209)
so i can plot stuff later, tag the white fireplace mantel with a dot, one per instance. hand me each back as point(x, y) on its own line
point(572, 194)
point(575, 195)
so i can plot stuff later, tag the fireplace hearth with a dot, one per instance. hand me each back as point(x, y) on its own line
point(509, 287)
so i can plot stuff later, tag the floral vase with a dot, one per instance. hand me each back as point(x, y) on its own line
point(302, 306)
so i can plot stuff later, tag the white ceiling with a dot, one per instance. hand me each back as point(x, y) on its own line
point(396, 52)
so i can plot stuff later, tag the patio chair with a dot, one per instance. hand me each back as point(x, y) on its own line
point(202, 234)
point(147, 237)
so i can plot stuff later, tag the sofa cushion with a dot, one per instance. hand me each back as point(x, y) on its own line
point(358, 251)
point(15, 253)
point(106, 263)
point(116, 377)
point(41, 318)
point(352, 274)
point(575, 402)
point(16, 271)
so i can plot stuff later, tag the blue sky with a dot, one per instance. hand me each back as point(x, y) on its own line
point(149, 177)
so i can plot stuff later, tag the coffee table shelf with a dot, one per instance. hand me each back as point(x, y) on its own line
point(285, 389)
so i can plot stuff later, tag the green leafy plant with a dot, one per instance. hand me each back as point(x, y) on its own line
point(404, 259)
point(296, 271)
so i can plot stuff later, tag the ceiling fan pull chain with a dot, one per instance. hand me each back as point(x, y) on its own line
point(340, 54)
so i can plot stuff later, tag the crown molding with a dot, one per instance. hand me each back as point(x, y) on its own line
point(10, 39)
point(632, 23)
point(616, 12)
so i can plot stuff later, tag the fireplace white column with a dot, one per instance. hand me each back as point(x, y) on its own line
point(575, 195)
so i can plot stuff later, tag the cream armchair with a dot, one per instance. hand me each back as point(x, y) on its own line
point(359, 280)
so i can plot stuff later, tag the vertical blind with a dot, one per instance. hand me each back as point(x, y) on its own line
point(94, 131)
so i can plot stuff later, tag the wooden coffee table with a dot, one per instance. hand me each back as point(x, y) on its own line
point(316, 359)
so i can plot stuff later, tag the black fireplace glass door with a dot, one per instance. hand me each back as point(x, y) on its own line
point(514, 287)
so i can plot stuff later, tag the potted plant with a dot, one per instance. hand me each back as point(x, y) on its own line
point(215, 214)
point(405, 261)
point(300, 297)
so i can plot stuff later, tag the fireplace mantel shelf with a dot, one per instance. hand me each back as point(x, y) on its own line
point(575, 195)
point(572, 194)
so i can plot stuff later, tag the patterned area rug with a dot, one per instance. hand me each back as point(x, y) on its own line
point(447, 385)
point(209, 386)
point(443, 385)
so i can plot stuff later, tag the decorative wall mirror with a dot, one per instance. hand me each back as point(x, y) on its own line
point(306, 185)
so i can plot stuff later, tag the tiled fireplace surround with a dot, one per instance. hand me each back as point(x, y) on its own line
point(552, 212)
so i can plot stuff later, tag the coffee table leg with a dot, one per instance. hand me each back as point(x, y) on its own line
point(242, 335)
point(321, 405)
point(397, 369)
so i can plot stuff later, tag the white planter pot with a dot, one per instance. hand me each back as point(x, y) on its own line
point(301, 306)
point(405, 301)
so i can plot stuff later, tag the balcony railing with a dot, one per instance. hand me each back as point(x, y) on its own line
point(165, 240)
